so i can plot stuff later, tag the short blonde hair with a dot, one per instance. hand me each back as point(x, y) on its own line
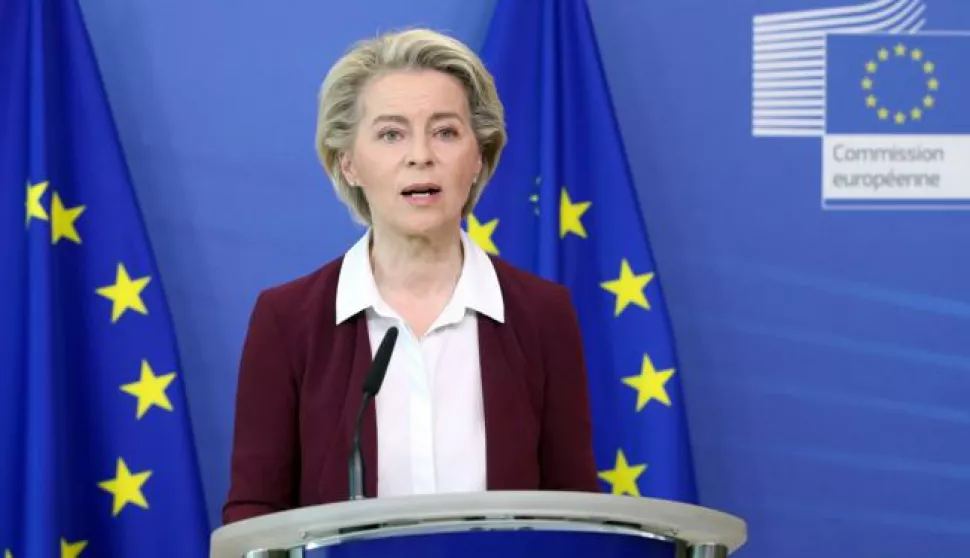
point(412, 49)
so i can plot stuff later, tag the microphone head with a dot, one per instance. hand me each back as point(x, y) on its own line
point(378, 369)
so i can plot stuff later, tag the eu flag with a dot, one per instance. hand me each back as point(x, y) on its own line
point(562, 204)
point(96, 456)
point(897, 84)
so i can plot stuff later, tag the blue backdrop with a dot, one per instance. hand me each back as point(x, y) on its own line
point(824, 354)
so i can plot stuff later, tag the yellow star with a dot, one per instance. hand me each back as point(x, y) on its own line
point(72, 550)
point(482, 234)
point(623, 477)
point(929, 101)
point(125, 293)
point(900, 118)
point(7, 554)
point(883, 54)
point(150, 389)
point(628, 288)
point(126, 488)
point(917, 54)
point(62, 221)
point(866, 83)
point(35, 209)
point(916, 113)
point(933, 84)
point(650, 384)
point(929, 67)
point(900, 50)
point(570, 216)
point(883, 114)
point(871, 67)
point(871, 101)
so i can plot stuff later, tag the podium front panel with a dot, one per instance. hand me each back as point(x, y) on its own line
point(504, 543)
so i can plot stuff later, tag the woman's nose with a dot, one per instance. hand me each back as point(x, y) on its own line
point(420, 154)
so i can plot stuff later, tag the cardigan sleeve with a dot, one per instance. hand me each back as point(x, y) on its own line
point(265, 454)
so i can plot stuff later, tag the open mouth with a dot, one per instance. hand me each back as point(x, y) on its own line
point(421, 192)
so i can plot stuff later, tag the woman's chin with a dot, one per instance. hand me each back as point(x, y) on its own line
point(430, 224)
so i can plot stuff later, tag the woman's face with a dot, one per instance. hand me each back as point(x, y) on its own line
point(415, 154)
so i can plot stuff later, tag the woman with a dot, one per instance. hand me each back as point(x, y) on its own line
point(486, 387)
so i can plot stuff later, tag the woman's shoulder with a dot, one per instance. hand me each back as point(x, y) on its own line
point(525, 289)
point(312, 292)
point(540, 311)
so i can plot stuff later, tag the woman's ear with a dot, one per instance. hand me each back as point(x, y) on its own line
point(347, 168)
point(478, 171)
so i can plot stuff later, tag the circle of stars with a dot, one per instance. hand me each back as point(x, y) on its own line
point(900, 52)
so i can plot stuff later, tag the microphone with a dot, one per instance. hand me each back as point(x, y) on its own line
point(372, 385)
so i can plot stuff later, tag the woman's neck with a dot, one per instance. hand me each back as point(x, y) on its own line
point(415, 265)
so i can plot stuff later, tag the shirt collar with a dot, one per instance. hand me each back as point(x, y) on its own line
point(477, 289)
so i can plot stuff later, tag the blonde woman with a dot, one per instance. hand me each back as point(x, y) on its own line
point(486, 386)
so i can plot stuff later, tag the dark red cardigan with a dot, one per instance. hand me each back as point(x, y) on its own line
point(300, 384)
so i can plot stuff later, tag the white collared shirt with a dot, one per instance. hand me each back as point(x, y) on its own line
point(430, 418)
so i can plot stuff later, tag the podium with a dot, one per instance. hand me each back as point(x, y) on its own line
point(473, 525)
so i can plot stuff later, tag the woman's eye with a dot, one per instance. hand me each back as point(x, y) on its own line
point(389, 135)
point(448, 133)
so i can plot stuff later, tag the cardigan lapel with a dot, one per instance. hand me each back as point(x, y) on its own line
point(506, 407)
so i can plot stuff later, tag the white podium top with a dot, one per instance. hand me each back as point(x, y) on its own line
point(691, 524)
